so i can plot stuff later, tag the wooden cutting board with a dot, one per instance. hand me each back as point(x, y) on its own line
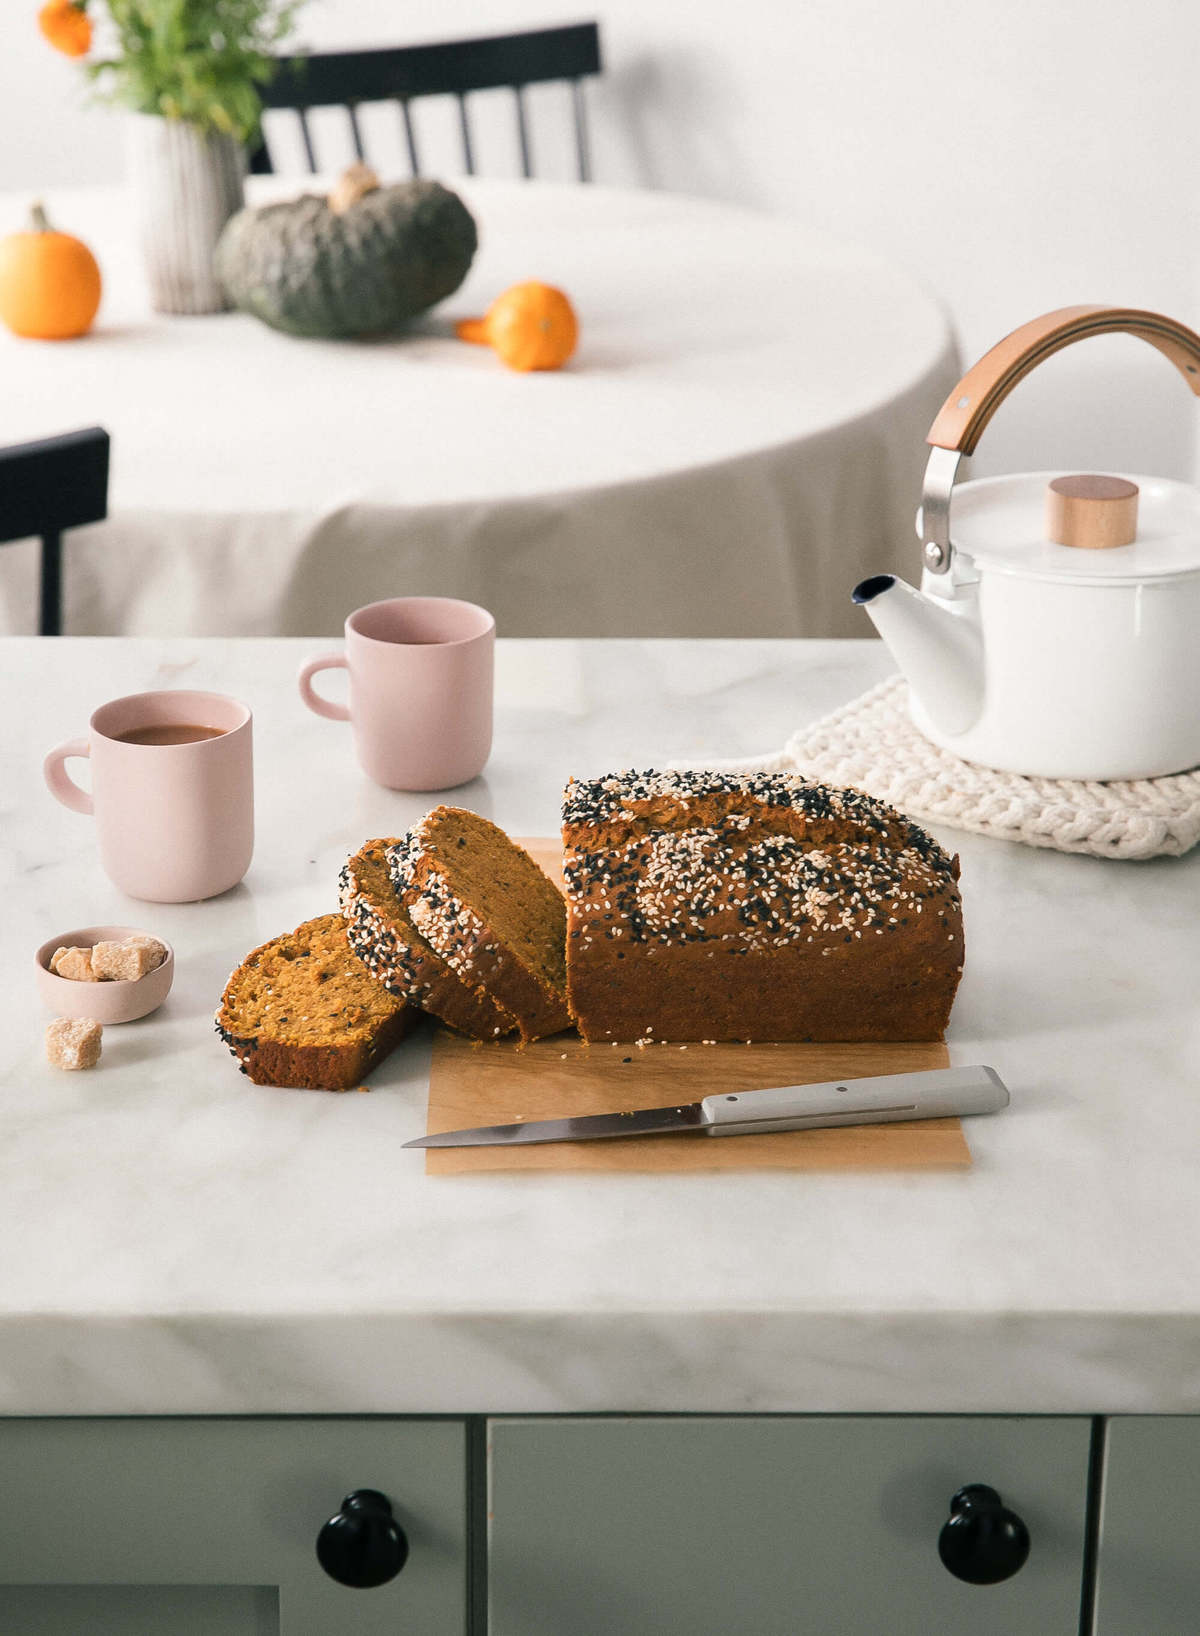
point(495, 1084)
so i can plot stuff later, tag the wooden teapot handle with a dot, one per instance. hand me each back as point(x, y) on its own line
point(962, 418)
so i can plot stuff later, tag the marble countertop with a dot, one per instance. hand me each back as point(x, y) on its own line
point(176, 1240)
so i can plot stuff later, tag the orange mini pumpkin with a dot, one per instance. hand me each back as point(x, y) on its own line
point(530, 326)
point(49, 283)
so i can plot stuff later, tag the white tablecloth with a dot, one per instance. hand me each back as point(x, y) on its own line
point(737, 441)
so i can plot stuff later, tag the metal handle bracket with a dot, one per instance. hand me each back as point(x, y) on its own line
point(961, 419)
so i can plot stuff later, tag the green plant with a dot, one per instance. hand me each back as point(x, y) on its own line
point(197, 60)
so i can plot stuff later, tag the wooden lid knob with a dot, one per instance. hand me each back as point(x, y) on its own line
point(1091, 511)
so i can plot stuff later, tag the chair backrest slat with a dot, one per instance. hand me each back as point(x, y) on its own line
point(453, 68)
point(355, 132)
point(523, 132)
point(410, 137)
point(582, 150)
point(308, 145)
point(464, 125)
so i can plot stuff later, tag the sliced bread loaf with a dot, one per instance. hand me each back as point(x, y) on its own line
point(302, 1010)
point(384, 938)
point(482, 903)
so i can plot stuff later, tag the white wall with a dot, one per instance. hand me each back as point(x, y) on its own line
point(1016, 155)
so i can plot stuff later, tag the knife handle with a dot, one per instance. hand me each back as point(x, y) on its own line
point(935, 1094)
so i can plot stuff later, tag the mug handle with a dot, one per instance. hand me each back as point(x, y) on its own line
point(314, 701)
point(61, 787)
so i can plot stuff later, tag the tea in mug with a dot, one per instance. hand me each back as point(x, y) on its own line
point(169, 732)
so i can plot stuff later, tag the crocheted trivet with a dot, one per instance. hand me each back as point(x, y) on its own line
point(872, 745)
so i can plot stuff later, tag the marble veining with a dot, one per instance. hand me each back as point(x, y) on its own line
point(177, 1240)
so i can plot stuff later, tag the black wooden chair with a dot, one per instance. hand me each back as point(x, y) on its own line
point(404, 73)
point(48, 486)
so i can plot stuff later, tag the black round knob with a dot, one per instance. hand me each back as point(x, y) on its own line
point(983, 1541)
point(363, 1544)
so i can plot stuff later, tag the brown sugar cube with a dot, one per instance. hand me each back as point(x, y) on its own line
point(73, 963)
point(73, 1042)
point(126, 961)
point(156, 952)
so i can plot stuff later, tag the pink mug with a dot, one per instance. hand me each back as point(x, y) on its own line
point(172, 792)
point(421, 672)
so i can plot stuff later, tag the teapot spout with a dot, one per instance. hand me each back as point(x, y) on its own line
point(936, 643)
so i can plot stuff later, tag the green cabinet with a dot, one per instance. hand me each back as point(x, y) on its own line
point(207, 1527)
point(775, 1526)
point(655, 1525)
point(1148, 1562)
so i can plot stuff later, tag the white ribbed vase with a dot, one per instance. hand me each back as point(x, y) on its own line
point(186, 183)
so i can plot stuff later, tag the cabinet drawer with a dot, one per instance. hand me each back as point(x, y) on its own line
point(775, 1526)
point(210, 1525)
point(1147, 1568)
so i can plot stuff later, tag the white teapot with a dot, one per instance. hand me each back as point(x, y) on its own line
point(1057, 629)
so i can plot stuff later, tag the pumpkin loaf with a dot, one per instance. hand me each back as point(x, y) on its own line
point(384, 938)
point(707, 906)
point(481, 902)
point(302, 1010)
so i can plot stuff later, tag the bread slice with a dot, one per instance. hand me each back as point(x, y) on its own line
point(302, 1010)
point(719, 906)
point(384, 938)
point(482, 903)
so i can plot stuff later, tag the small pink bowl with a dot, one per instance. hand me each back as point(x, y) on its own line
point(107, 1002)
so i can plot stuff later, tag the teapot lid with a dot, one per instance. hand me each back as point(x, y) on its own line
point(1006, 526)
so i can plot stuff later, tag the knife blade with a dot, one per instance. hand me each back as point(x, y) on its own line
point(937, 1093)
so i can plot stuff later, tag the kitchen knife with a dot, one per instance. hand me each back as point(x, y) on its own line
point(936, 1094)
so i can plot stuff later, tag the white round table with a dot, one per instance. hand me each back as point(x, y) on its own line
point(737, 440)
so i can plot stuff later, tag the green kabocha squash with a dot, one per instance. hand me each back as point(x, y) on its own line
point(363, 261)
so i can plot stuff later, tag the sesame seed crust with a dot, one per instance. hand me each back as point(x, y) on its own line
point(680, 799)
point(423, 866)
point(389, 942)
point(756, 906)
